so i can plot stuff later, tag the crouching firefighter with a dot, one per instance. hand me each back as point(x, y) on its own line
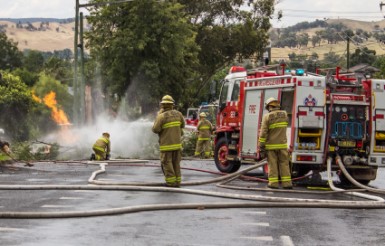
point(273, 143)
point(168, 125)
point(102, 148)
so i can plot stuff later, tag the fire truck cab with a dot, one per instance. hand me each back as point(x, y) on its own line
point(329, 116)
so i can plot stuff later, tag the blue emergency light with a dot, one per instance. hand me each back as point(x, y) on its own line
point(299, 71)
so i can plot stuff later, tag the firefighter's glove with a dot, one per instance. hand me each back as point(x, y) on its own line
point(262, 153)
point(108, 156)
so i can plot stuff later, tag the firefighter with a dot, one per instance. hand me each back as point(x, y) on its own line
point(203, 149)
point(102, 148)
point(169, 124)
point(273, 143)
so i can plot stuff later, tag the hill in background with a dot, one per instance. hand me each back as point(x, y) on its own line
point(49, 34)
point(43, 34)
point(339, 48)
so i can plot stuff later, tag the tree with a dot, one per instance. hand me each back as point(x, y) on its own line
point(33, 60)
point(363, 55)
point(15, 103)
point(173, 47)
point(10, 56)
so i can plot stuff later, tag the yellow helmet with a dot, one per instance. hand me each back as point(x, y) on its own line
point(203, 114)
point(271, 102)
point(167, 100)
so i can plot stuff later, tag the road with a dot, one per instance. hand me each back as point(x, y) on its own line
point(200, 226)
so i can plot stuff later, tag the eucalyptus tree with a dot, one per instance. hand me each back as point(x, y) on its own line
point(150, 48)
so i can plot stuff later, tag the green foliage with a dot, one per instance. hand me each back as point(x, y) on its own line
point(189, 142)
point(33, 61)
point(25, 151)
point(28, 77)
point(10, 55)
point(147, 49)
point(59, 69)
point(46, 84)
point(15, 103)
point(362, 56)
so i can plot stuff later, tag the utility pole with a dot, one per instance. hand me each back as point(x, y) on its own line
point(76, 83)
point(347, 52)
point(79, 86)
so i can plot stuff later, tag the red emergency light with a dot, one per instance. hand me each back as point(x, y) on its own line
point(317, 113)
point(306, 158)
point(237, 69)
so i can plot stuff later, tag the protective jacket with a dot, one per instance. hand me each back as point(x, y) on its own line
point(204, 128)
point(273, 130)
point(168, 125)
point(103, 144)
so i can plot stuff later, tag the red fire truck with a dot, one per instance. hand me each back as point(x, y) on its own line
point(334, 115)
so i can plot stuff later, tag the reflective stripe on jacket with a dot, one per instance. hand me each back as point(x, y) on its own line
point(273, 130)
point(103, 144)
point(204, 129)
point(168, 125)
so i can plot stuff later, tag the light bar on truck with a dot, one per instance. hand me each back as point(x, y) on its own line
point(237, 69)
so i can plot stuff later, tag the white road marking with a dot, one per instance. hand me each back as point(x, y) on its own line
point(257, 224)
point(262, 238)
point(286, 241)
point(85, 190)
point(37, 180)
point(70, 198)
point(56, 206)
point(10, 229)
point(255, 212)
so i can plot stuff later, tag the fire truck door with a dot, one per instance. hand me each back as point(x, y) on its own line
point(251, 121)
point(377, 148)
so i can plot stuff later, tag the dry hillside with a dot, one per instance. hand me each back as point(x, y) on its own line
point(339, 48)
point(55, 37)
point(61, 36)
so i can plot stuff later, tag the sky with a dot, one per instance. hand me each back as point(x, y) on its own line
point(294, 11)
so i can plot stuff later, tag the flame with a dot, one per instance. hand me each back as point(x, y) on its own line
point(57, 114)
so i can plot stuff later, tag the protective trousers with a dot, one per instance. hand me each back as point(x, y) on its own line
point(203, 148)
point(99, 154)
point(170, 161)
point(278, 162)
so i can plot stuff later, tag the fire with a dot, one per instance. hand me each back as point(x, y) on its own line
point(58, 115)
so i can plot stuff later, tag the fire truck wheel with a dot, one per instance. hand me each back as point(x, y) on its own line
point(220, 156)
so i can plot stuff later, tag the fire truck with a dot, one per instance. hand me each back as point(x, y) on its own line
point(192, 116)
point(333, 115)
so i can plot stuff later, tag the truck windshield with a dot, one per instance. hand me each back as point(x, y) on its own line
point(235, 92)
point(223, 95)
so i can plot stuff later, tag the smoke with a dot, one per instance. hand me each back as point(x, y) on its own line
point(128, 139)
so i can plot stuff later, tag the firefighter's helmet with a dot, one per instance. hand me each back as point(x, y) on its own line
point(203, 114)
point(167, 100)
point(271, 102)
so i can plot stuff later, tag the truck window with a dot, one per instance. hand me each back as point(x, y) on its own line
point(287, 98)
point(235, 93)
point(223, 95)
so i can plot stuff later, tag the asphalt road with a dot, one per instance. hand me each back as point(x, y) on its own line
point(199, 226)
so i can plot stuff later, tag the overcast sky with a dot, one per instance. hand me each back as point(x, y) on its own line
point(294, 10)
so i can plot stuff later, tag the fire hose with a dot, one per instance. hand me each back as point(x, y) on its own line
point(253, 201)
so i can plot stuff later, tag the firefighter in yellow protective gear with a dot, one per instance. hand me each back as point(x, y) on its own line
point(169, 124)
point(273, 143)
point(102, 148)
point(203, 146)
